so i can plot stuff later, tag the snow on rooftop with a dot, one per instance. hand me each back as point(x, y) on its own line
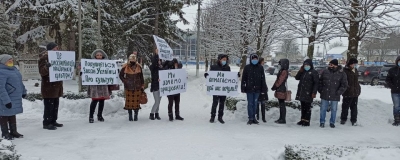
point(338, 50)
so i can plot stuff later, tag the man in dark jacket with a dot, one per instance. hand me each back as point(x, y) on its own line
point(155, 67)
point(253, 84)
point(332, 84)
point(307, 90)
point(393, 81)
point(220, 66)
point(263, 98)
point(51, 91)
point(350, 96)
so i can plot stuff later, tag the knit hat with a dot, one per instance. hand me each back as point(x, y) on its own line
point(334, 62)
point(4, 58)
point(51, 46)
point(352, 61)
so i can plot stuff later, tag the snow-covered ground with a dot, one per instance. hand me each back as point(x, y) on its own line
point(195, 138)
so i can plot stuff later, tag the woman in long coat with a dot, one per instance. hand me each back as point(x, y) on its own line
point(12, 90)
point(280, 89)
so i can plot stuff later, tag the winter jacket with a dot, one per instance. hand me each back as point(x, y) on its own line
point(280, 82)
point(353, 88)
point(11, 90)
point(393, 77)
point(219, 67)
point(155, 68)
point(264, 97)
point(308, 83)
point(332, 84)
point(132, 76)
point(253, 79)
point(48, 89)
point(99, 92)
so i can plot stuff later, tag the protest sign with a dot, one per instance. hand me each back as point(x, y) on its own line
point(99, 72)
point(222, 83)
point(164, 50)
point(62, 65)
point(172, 81)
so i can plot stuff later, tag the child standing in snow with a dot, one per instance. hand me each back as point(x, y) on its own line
point(98, 93)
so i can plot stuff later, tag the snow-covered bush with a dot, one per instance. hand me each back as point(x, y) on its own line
point(7, 150)
point(232, 101)
point(69, 95)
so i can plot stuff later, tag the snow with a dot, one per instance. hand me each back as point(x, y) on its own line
point(195, 138)
point(338, 50)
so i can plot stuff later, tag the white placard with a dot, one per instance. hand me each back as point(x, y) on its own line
point(172, 81)
point(62, 65)
point(164, 50)
point(99, 72)
point(222, 83)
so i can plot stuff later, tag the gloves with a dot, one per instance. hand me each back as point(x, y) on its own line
point(314, 95)
point(273, 88)
point(239, 74)
point(24, 95)
point(205, 75)
point(48, 65)
point(9, 105)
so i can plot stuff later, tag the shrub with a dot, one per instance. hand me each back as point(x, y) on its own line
point(232, 101)
point(7, 150)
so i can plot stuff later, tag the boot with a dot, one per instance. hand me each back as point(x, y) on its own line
point(178, 117)
point(322, 125)
point(263, 113)
point(130, 115)
point(13, 127)
point(300, 123)
point(91, 120)
point(49, 127)
point(249, 122)
point(396, 120)
point(100, 112)
point(255, 122)
point(342, 122)
point(151, 116)
point(332, 125)
point(57, 124)
point(92, 107)
point(171, 117)
point(221, 120)
point(100, 118)
point(4, 128)
point(306, 123)
point(282, 110)
point(212, 119)
point(135, 117)
point(157, 116)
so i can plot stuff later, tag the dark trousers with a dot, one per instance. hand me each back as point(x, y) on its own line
point(50, 110)
point(221, 101)
point(305, 110)
point(262, 104)
point(93, 108)
point(171, 99)
point(349, 103)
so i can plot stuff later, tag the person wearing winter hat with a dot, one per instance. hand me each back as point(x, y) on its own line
point(253, 84)
point(307, 89)
point(12, 90)
point(51, 91)
point(221, 65)
point(332, 84)
point(392, 80)
point(280, 89)
point(350, 96)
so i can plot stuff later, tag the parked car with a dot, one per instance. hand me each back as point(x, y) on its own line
point(369, 74)
point(383, 73)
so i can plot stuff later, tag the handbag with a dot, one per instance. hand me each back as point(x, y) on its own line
point(143, 98)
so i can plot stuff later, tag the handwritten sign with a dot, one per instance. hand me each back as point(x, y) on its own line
point(99, 72)
point(172, 81)
point(164, 50)
point(62, 65)
point(222, 83)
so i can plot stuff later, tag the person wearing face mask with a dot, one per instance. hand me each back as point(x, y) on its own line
point(280, 89)
point(98, 93)
point(332, 84)
point(254, 85)
point(307, 90)
point(350, 96)
point(176, 98)
point(132, 76)
point(263, 98)
point(393, 81)
point(220, 66)
point(12, 90)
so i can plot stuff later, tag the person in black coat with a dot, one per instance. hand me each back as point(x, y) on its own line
point(262, 98)
point(393, 81)
point(174, 64)
point(280, 89)
point(220, 66)
point(307, 90)
point(350, 96)
point(155, 67)
point(254, 85)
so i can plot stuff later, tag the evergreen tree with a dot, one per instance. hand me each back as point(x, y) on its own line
point(7, 40)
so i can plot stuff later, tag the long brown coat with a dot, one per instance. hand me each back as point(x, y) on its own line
point(132, 77)
point(49, 89)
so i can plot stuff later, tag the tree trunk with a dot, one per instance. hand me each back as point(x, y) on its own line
point(310, 49)
point(260, 30)
point(353, 33)
point(311, 39)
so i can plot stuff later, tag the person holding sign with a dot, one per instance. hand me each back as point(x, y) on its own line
point(220, 66)
point(98, 93)
point(155, 66)
point(262, 98)
point(132, 76)
point(253, 84)
point(12, 90)
point(51, 91)
point(280, 89)
point(176, 97)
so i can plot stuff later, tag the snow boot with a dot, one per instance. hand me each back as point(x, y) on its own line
point(151, 116)
point(282, 110)
point(263, 114)
point(306, 123)
point(4, 128)
point(212, 119)
point(300, 123)
point(49, 127)
point(57, 124)
point(332, 125)
point(130, 115)
point(249, 122)
point(396, 120)
point(221, 120)
point(135, 117)
point(100, 118)
point(157, 116)
point(13, 127)
point(91, 120)
point(171, 117)
point(178, 117)
point(100, 112)
point(255, 122)
point(322, 125)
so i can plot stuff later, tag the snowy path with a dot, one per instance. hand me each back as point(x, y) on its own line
point(193, 138)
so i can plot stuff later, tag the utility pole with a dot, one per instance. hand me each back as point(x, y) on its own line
point(187, 47)
point(99, 24)
point(198, 39)
point(80, 43)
